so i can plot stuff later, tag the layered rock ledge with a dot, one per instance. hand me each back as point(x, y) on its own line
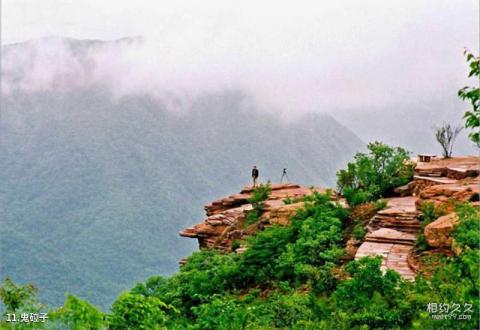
point(225, 221)
point(392, 232)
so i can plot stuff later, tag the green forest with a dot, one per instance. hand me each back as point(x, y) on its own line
point(110, 183)
point(296, 276)
point(291, 277)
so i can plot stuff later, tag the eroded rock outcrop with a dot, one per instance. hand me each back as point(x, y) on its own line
point(438, 232)
point(392, 235)
point(442, 181)
point(400, 214)
point(392, 232)
point(454, 168)
point(461, 190)
point(226, 217)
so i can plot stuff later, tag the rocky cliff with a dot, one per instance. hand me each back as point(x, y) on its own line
point(226, 217)
point(391, 232)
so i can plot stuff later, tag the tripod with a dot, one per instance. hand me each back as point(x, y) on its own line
point(284, 175)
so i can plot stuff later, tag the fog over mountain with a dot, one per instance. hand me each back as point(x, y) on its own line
point(109, 148)
point(390, 71)
point(97, 185)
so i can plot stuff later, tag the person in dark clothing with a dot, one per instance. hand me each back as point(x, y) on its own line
point(254, 175)
point(284, 176)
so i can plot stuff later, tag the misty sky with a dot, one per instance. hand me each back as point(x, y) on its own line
point(303, 55)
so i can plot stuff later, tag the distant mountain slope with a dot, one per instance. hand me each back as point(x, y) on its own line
point(411, 125)
point(95, 189)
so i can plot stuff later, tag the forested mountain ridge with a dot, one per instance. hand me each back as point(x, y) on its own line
point(96, 185)
point(92, 183)
point(284, 256)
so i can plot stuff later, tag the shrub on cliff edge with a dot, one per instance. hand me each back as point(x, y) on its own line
point(374, 174)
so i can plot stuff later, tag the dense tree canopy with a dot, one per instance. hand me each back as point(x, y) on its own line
point(376, 173)
point(472, 94)
point(290, 277)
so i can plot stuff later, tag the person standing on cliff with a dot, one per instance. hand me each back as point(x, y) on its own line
point(254, 175)
point(284, 176)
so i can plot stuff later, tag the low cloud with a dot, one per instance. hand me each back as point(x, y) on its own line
point(302, 60)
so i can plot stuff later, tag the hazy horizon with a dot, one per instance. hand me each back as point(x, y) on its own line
point(120, 119)
point(307, 57)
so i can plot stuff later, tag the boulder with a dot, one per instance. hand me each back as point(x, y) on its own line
point(438, 232)
point(447, 194)
point(405, 190)
point(463, 171)
point(351, 248)
point(455, 167)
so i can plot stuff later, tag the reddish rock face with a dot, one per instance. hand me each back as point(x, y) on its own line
point(392, 235)
point(401, 214)
point(280, 215)
point(420, 183)
point(226, 217)
point(392, 232)
point(455, 168)
point(458, 181)
point(279, 192)
point(438, 232)
point(462, 190)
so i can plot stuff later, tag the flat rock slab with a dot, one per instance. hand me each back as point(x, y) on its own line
point(466, 187)
point(390, 234)
point(446, 162)
point(372, 249)
point(465, 168)
point(279, 192)
point(439, 180)
point(225, 221)
point(455, 168)
point(394, 256)
point(397, 260)
point(393, 245)
point(400, 205)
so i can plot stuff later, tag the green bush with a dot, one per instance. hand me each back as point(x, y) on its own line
point(259, 195)
point(313, 238)
point(359, 232)
point(16, 296)
point(421, 243)
point(289, 200)
point(374, 174)
point(372, 299)
point(206, 274)
point(472, 94)
point(380, 204)
point(236, 244)
point(356, 196)
point(289, 310)
point(457, 282)
point(131, 311)
point(466, 234)
point(430, 212)
point(258, 263)
point(77, 314)
point(222, 313)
